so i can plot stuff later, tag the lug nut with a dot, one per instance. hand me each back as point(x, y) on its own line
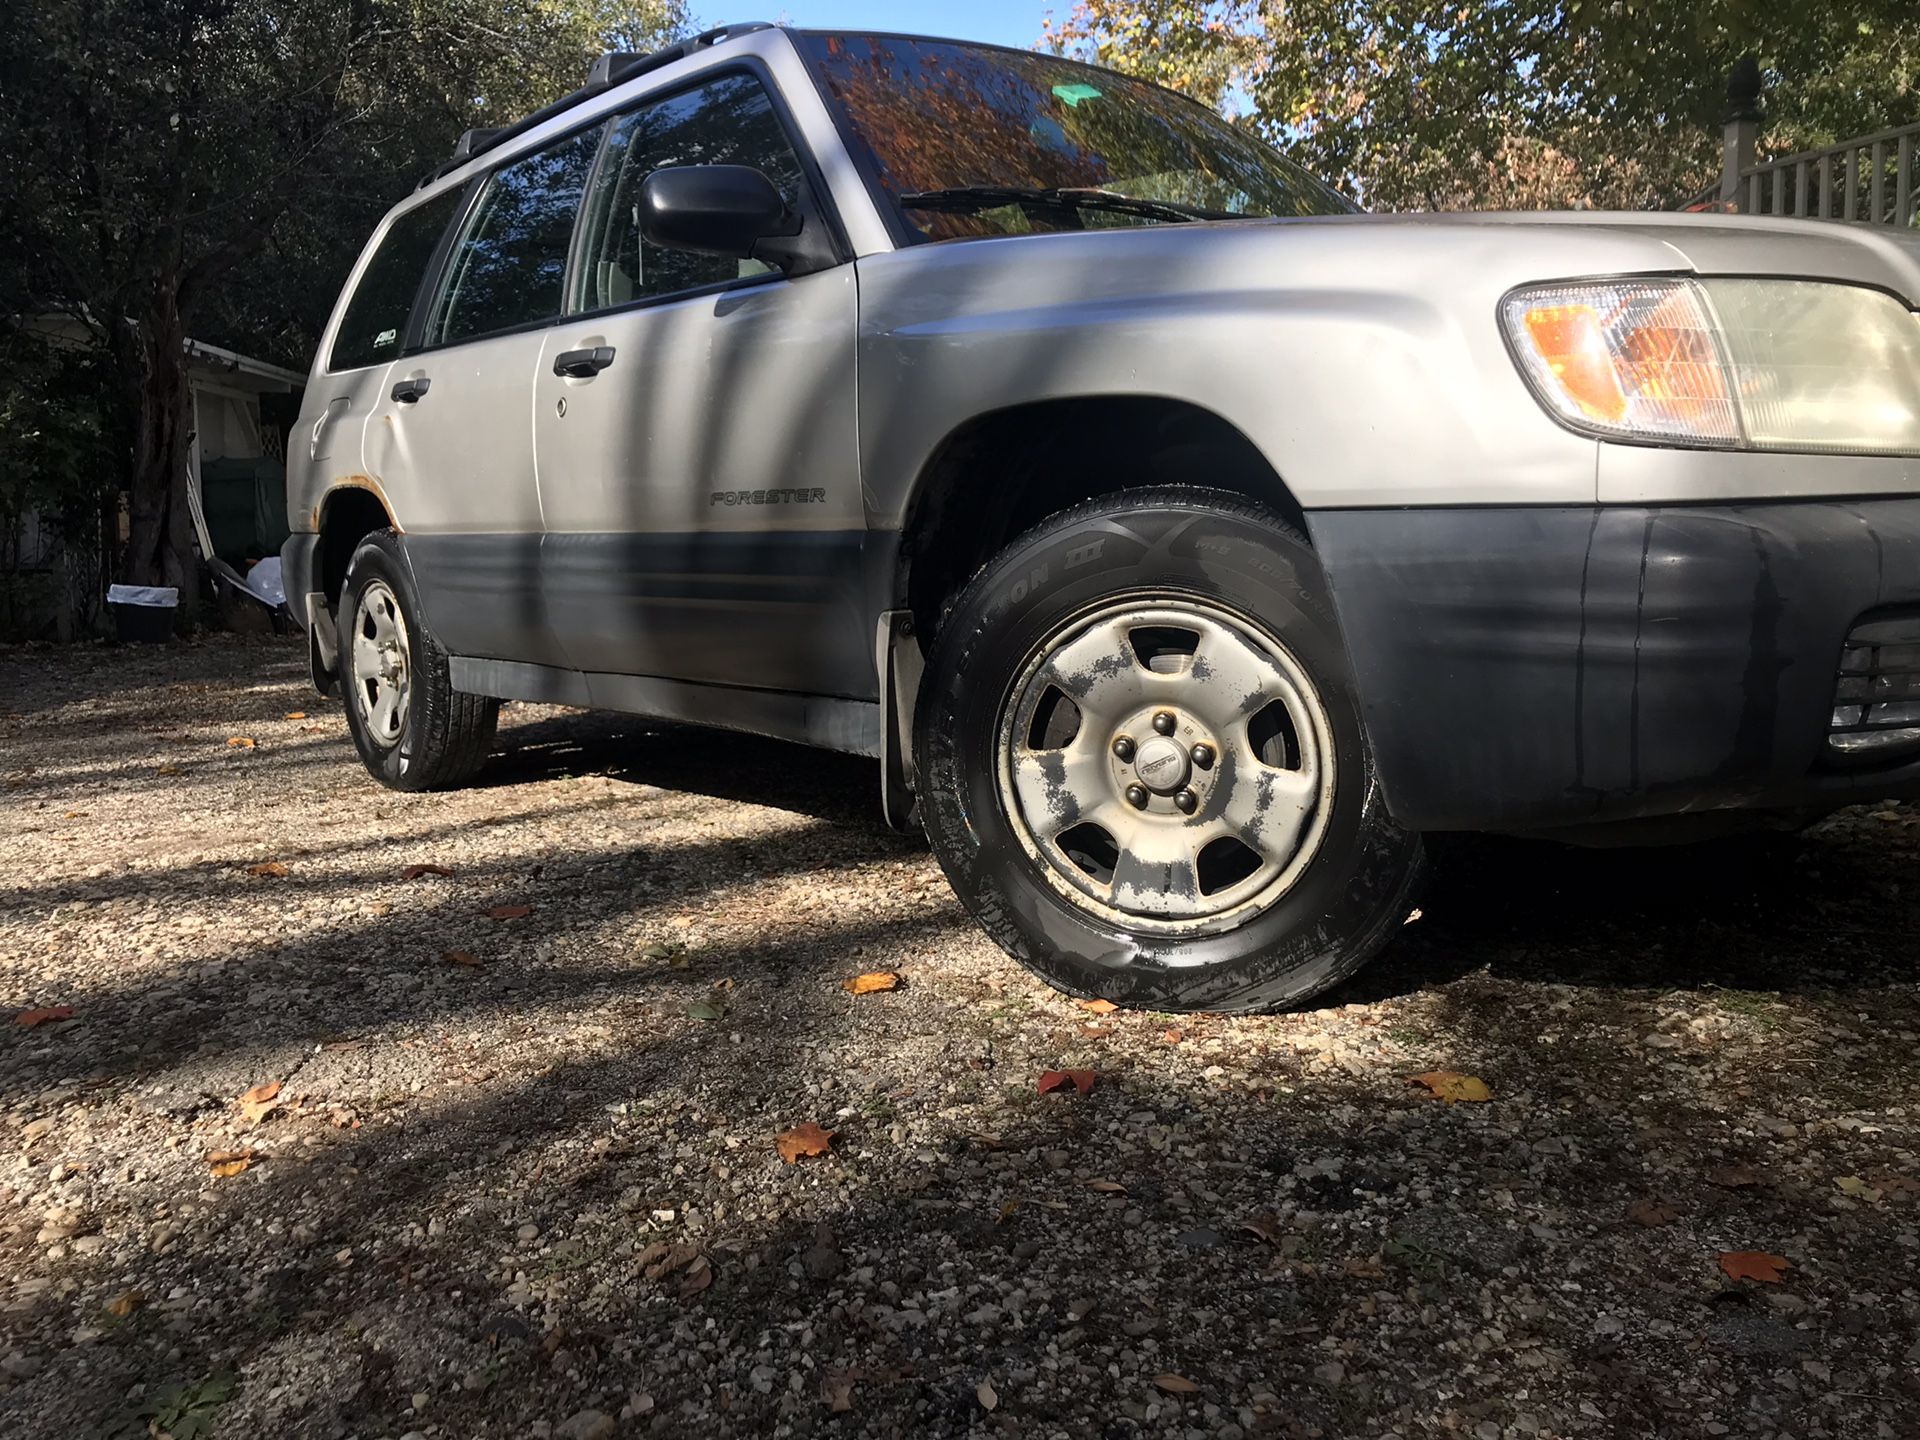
point(1123, 747)
point(1187, 801)
point(1137, 796)
point(1203, 756)
point(1164, 722)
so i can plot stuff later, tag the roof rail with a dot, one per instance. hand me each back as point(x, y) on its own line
point(614, 68)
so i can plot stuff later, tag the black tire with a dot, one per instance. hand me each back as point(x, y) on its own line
point(1214, 548)
point(444, 736)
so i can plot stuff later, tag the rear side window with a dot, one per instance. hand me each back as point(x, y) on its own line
point(727, 121)
point(511, 260)
point(375, 323)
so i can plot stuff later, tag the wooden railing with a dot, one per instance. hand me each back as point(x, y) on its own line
point(1871, 179)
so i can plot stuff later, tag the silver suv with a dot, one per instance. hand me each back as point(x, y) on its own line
point(1182, 543)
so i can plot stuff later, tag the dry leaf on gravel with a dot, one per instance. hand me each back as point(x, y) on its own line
point(1735, 1177)
point(1175, 1385)
point(837, 1390)
point(1051, 1080)
point(1753, 1265)
point(124, 1305)
point(240, 742)
point(871, 982)
point(1008, 1211)
point(414, 872)
point(1858, 1189)
point(296, 715)
point(225, 1164)
point(169, 770)
point(1097, 1007)
point(1096, 1032)
point(464, 958)
point(1173, 1035)
point(1652, 1213)
point(1107, 1187)
point(986, 1395)
point(275, 868)
point(708, 1010)
point(1453, 1087)
point(27, 1019)
point(660, 1260)
point(802, 1140)
point(509, 912)
point(261, 1101)
point(1262, 1227)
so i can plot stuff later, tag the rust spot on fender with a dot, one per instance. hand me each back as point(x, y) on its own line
point(355, 482)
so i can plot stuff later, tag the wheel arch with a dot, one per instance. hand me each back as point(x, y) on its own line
point(999, 473)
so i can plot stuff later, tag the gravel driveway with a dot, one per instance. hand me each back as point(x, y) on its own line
point(534, 1189)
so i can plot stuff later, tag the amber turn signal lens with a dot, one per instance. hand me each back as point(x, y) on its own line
point(1569, 340)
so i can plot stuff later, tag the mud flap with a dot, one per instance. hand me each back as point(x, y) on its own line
point(899, 663)
point(323, 643)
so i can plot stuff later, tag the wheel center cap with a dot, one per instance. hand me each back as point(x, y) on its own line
point(1162, 765)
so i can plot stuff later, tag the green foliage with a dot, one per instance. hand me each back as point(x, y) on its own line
point(59, 456)
point(1517, 103)
point(179, 1410)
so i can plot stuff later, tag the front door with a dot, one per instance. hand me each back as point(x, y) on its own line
point(695, 434)
point(451, 428)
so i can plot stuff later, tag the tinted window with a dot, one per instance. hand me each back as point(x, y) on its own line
point(728, 121)
point(375, 323)
point(511, 261)
point(929, 118)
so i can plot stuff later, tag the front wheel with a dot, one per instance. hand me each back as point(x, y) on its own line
point(1142, 764)
point(411, 727)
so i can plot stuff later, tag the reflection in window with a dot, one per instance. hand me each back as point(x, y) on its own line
point(729, 121)
point(374, 326)
point(930, 115)
point(512, 259)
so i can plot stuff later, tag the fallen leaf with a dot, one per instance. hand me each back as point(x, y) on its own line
point(225, 1164)
point(1007, 1212)
point(239, 742)
point(168, 770)
point(807, 1139)
point(1173, 1035)
point(837, 1390)
point(874, 980)
point(1652, 1213)
point(124, 1305)
point(1453, 1087)
point(1175, 1385)
point(1081, 1080)
point(27, 1019)
point(1753, 1265)
point(509, 912)
point(261, 1101)
point(1097, 1007)
point(706, 1010)
point(296, 714)
point(1859, 1189)
point(414, 872)
point(1096, 1032)
point(1263, 1227)
point(460, 957)
point(986, 1395)
point(276, 868)
point(1735, 1177)
point(1107, 1187)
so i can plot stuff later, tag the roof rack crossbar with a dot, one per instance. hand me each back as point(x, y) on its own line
point(613, 68)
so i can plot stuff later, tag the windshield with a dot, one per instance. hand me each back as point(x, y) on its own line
point(969, 140)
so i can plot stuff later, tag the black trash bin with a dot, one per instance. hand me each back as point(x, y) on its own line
point(143, 614)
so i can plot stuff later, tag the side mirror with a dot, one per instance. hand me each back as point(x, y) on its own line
point(714, 209)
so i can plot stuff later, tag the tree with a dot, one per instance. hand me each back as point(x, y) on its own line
point(1516, 103)
point(174, 159)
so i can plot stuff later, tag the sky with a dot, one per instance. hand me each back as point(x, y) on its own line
point(1004, 22)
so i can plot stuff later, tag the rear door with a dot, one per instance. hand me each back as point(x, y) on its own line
point(452, 426)
point(701, 490)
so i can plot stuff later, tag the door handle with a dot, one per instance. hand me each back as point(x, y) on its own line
point(408, 391)
point(583, 364)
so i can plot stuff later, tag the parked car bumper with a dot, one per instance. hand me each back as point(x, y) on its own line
point(1542, 668)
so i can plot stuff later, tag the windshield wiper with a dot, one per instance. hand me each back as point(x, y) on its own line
point(987, 197)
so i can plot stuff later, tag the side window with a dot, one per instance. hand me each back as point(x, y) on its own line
point(511, 259)
point(727, 121)
point(374, 326)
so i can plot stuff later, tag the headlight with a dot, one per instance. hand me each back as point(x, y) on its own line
point(1746, 364)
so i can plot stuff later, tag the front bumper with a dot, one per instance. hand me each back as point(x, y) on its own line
point(1543, 668)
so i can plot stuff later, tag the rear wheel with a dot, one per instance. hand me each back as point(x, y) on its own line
point(1142, 764)
point(411, 727)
